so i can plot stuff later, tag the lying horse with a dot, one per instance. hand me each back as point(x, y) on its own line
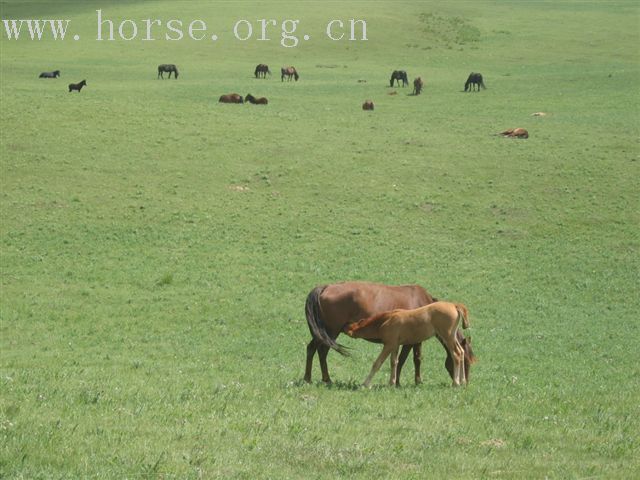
point(230, 98)
point(367, 105)
point(77, 86)
point(167, 68)
point(417, 86)
point(289, 72)
point(474, 79)
point(409, 327)
point(54, 74)
point(330, 307)
point(256, 101)
point(398, 75)
point(515, 133)
point(262, 70)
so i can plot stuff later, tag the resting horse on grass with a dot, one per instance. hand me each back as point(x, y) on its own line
point(230, 98)
point(330, 307)
point(256, 101)
point(262, 70)
point(167, 68)
point(515, 133)
point(289, 72)
point(77, 86)
point(474, 79)
point(54, 74)
point(398, 75)
point(409, 327)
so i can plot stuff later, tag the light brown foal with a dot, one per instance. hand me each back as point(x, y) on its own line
point(408, 327)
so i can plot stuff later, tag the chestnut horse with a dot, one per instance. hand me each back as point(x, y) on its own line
point(409, 327)
point(330, 307)
point(230, 98)
point(515, 133)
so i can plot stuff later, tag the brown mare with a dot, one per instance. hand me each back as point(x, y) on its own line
point(417, 86)
point(409, 327)
point(231, 98)
point(515, 133)
point(367, 105)
point(330, 307)
point(289, 72)
point(256, 101)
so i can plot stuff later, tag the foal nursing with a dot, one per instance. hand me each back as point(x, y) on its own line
point(409, 327)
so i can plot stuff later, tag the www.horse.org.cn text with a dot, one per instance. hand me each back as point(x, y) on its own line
point(287, 32)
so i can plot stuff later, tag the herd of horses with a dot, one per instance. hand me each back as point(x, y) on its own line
point(396, 316)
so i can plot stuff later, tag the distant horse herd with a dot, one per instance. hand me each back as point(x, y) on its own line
point(474, 82)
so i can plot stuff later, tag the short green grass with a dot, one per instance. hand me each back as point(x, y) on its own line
point(156, 248)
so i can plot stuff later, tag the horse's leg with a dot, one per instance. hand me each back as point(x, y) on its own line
point(458, 358)
point(312, 347)
point(386, 350)
point(323, 351)
point(394, 366)
point(404, 353)
point(417, 361)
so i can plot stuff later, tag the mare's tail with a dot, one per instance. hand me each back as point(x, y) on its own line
point(463, 312)
point(316, 324)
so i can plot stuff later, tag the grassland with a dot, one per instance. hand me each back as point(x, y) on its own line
point(156, 247)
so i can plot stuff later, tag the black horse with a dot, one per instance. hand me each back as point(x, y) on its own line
point(54, 74)
point(474, 79)
point(398, 75)
point(167, 68)
point(77, 86)
point(262, 70)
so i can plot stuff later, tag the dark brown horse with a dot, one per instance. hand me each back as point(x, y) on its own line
point(398, 75)
point(54, 74)
point(417, 86)
point(330, 307)
point(367, 105)
point(289, 72)
point(474, 80)
point(256, 101)
point(231, 98)
point(262, 70)
point(77, 86)
point(167, 68)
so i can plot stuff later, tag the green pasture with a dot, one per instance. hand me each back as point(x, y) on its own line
point(157, 247)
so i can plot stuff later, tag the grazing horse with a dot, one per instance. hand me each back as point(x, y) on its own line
point(262, 70)
point(330, 307)
point(77, 86)
point(398, 75)
point(256, 101)
point(167, 68)
point(515, 133)
point(231, 98)
point(408, 327)
point(417, 86)
point(54, 74)
point(367, 105)
point(474, 79)
point(289, 72)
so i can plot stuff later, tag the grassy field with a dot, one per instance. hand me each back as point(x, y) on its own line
point(156, 247)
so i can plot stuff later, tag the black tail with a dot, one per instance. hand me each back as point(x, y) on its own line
point(316, 324)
